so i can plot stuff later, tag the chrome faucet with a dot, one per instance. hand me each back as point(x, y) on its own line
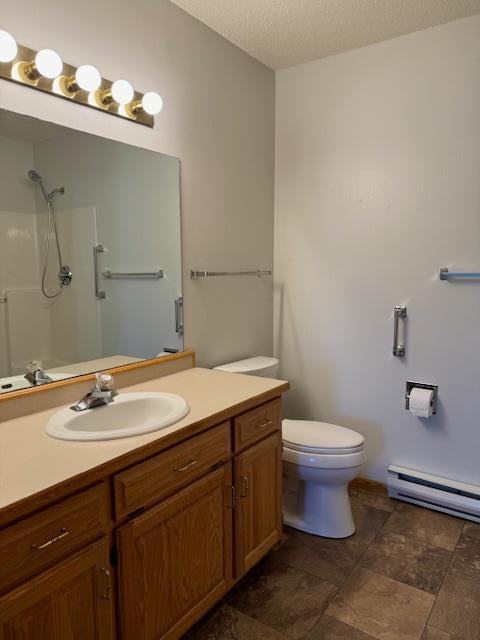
point(36, 375)
point(102, 393)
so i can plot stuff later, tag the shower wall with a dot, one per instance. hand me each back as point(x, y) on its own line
point(55, 332)
point(18, 235)
point(75, 315)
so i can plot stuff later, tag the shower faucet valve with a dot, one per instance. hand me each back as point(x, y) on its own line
point(65, 276)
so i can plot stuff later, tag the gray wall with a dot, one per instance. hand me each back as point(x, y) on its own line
point(218, 119)
point(377, 188)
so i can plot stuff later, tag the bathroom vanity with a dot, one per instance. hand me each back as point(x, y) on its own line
point(139, 537)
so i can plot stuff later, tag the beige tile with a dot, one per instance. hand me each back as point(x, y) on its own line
point(407, 560)
point(457, 608)
point(428, 526)
point(228, 623)
point(284, 598)
point(331, 560)
point(382, 607)
point(330, 629)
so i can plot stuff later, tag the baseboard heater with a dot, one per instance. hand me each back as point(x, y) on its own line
point(449, 496)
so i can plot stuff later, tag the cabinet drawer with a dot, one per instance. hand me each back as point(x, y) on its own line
point(33, 543)
point(256, 424)
point(152, 480)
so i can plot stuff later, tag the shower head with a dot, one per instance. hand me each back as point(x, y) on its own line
point(34, 175)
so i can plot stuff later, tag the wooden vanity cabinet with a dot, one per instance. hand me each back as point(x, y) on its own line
point(175, 559)
point(258, 510)
point(71, 601)
point(181, 526)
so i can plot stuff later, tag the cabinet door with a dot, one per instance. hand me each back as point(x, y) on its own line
point(71, 601)
point(258, 510)
point(175, 560)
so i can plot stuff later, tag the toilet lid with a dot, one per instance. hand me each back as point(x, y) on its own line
point(249, 364)
point(320, 437)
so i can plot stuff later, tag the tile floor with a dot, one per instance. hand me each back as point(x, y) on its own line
point(406, 574)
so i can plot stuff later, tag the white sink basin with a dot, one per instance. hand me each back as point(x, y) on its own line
point(130, 414)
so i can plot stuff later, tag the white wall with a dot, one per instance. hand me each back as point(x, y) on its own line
point(377, 187)
point(218, 119)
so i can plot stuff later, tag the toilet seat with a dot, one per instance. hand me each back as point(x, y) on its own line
point(323, 460)
point(320, 438)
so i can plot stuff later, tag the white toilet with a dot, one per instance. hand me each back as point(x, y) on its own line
point(319, 460)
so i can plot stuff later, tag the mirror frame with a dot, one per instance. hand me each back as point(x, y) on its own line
point(125, 368)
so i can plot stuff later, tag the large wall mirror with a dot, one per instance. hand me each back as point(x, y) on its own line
point(90, 253)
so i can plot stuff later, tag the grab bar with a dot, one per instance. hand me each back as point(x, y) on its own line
point(196, 275)
point(179, 315)
point(149, 275)
point(398, 312)
point(445, 274)
point(97, 249)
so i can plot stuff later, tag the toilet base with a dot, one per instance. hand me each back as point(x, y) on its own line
point(322, 510)
point(323, 532)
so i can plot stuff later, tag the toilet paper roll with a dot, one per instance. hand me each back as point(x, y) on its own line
point(421, 402)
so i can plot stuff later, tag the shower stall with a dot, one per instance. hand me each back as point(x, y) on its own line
point(45, 247)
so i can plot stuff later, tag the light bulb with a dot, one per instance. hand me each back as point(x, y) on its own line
point(8, 47)
point(122, 91)
point(48, 63)
point(88, 77)
point(152, 103)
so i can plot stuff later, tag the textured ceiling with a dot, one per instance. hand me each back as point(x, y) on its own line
point(282, 33)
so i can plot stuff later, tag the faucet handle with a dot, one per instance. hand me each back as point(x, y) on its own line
point(104, 381)
point(33, 366)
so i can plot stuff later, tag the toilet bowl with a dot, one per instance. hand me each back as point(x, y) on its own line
point(319, 460)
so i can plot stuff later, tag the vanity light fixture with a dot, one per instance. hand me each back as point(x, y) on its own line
point(151, 103)
point(47, 64)
point(121, 92)
point(8, 47)
point(86, 78)
point(44, 70)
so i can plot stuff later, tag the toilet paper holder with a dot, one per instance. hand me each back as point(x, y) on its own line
point(420, 385)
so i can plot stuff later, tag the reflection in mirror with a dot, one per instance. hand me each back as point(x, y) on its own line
point(90, 253)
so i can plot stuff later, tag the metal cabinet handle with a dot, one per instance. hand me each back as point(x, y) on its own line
point(63, 533)
point(244, 493)
point(234, 496)
point(267, 423)
point(108, 585)
point(190, 464)
point(398, 312)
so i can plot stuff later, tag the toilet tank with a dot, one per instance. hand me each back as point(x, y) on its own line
point(258, 366)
